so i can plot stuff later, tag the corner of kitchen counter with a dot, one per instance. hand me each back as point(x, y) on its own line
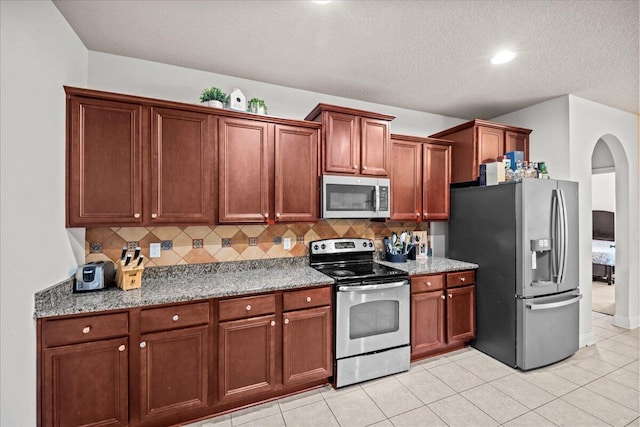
point(431, 265)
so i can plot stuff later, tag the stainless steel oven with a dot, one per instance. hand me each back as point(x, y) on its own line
point(372, 306)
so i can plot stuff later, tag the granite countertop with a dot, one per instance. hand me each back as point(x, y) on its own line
point(165, 285)
point(430, 265)
point(162, 285)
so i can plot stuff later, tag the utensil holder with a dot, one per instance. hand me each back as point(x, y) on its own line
point(129, 277)
point(396, 257)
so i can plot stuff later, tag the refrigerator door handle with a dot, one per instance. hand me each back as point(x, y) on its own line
point(562, 267)
point(564, 303)
point(554, 232)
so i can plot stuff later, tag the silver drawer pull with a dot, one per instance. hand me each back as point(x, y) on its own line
point(143, 344)
point(308, 299)
point(86, 329)
point(428, 283)
point(121, 348)
point(175, 317)
point(450, 296)
point(248, 307)
point(442, 296)
point(462, 279)
point(273, 323)
point(286, 321)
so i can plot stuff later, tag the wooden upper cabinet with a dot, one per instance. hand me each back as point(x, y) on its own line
point(406, 180)
point(436, 176)
point(354, 142)
point(420, 176)
point(342, 147)
point(182, 166)
point(296, 174)
point(480, 141)
point(104, 162)
point(374, 147)
point(243, 170)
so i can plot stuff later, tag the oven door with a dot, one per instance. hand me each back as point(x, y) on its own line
point(371, 317)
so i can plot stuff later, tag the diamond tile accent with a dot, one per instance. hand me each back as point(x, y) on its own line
point(202, 244)
point(95, 248)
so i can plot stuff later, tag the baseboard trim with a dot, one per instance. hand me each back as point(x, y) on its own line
point(626, 322)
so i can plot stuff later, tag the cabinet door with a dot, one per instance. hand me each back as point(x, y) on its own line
point(436, 176)
point(461, 314)
point(406, 181)
point(181, 167)
point(243, 170)
point(490, 145)
point(86, 384)
point(374, 148)
point(246, 357)
point(104, 162)
point(341, 143)
point(173, 372)
point(307, 343)
point(296, 174)
point(515, 141)
point(427, 322)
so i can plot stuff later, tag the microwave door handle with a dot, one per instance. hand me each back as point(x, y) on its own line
point(376, 197)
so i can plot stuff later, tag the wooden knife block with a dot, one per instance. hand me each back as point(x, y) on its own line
point(129, 277)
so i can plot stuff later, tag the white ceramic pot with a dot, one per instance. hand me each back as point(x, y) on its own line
point(216, 104)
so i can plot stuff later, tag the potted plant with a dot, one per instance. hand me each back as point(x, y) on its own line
point(214, 97)
point(257, 105)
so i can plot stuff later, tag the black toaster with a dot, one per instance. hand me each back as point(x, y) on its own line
point(94, 276)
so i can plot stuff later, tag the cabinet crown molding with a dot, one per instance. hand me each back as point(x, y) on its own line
point(346, 110)
point(484, 123)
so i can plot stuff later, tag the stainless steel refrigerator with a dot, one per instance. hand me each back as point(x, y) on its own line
point(524, 237)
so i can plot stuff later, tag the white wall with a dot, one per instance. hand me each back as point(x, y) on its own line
point(565, 131)
point(603, 196)
point(155, 80)
point(39, 53)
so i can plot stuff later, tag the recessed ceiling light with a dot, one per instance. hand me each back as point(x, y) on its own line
point(503, 57)
point(322, 1)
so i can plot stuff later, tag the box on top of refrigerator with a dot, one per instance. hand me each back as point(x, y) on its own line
point(491, 173)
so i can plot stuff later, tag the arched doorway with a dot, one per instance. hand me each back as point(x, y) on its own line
point(622, 227)
point(603, 207)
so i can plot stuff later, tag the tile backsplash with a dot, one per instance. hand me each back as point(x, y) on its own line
point(219, 243)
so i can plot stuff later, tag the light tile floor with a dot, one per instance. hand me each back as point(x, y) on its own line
point(597, 386)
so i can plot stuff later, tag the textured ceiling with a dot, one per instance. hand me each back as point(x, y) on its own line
point(430, 56)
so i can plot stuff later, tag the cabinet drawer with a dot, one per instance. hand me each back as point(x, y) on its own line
point(306, 298)
point(239, 308)
point(433, 282)
point(173, 317)
point(461, 278)
point(81, 329)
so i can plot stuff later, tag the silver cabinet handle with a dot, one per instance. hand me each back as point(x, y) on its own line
point(248, 307)
point(308, 299)
point(86, 329)
point(450, 296)
point(175, 317)
point(462, 279)
point(273, 323)
point(428, 283)
point(442, 296)
point(266, 215)
point(417, 213)
point(143, 344)
point(121, 348)
point(278, 215)
point(136, 215)
point(154, 215)
point(355, 166)
point(364, 168)
point(286, 321)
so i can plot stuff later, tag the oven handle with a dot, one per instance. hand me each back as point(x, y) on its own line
point(371, 287)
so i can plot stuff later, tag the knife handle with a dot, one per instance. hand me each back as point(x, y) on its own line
point(140, 260)
point(136, 254)
point(128, 260)
point(124, 253)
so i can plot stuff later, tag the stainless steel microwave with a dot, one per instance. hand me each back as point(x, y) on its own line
point(355, 197)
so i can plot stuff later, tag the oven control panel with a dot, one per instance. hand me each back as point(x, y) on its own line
point(340, 246)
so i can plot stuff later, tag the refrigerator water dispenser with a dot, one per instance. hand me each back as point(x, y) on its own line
point(541, 260)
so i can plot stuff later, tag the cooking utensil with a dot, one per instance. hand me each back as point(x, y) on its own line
point(124, 253)
point(140, 260)
point(136, 254)
point(128, 260)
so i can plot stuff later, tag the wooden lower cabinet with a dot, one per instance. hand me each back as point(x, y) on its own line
point(246, 357)
point(173, 372)
point(442, 312)
point(86, 384)
point(306, 339)
point(461, 308)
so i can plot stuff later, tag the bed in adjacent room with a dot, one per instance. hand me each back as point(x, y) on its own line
point(603, 246)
